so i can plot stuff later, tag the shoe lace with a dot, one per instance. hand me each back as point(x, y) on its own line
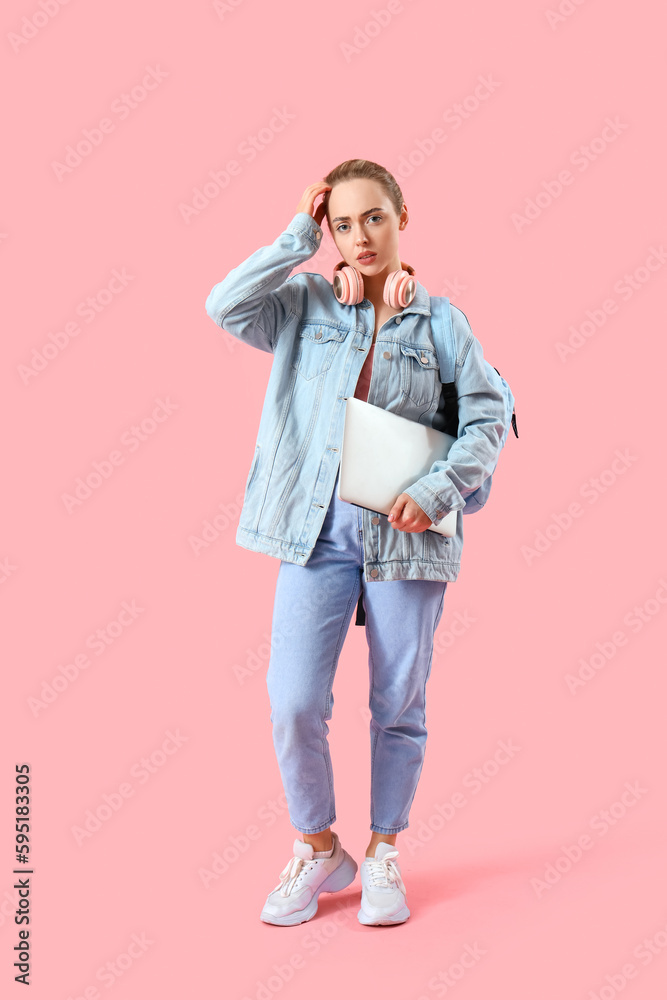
point(290, 874)
point(384, 872)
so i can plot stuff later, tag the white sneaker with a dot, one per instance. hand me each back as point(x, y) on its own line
point(294, 899)
point(382, 889)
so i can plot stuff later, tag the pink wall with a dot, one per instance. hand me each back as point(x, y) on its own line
point(148, 651)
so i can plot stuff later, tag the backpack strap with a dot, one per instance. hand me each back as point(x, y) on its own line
point(446, 417)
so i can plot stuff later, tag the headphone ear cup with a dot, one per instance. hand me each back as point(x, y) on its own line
point(399, 289)
point(348, 285)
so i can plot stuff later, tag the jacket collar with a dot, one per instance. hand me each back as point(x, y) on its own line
point(421, 302)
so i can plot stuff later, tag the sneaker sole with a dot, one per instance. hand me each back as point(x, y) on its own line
point(396, 918)
point(339, 879)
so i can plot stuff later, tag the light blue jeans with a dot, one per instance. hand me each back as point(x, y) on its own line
point(312, 612)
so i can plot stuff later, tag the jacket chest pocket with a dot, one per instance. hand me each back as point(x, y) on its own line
point(315, 349)
point(420, 374)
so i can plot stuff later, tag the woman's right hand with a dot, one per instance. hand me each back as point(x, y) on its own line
point(307, 203)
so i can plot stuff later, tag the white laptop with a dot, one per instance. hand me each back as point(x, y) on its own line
point(384, 453)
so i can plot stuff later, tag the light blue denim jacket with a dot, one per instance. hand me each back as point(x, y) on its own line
point(319, 347)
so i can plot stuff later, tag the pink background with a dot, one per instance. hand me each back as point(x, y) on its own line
point(376, 85)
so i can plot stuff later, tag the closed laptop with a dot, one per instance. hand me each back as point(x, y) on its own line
point(383, 453)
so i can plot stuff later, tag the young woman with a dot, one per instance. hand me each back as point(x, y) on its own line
point(365, 333)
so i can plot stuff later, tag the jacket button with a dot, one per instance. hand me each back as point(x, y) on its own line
point(439, 513)
point(318, 235)
point(375, 520)
point(386, 354)
point(318, 335)
point(424, 359)
point(398, 319)
point(374, 572)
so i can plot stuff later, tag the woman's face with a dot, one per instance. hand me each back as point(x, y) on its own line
point(362, 219)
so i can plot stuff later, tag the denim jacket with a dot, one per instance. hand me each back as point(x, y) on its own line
point(319, 347)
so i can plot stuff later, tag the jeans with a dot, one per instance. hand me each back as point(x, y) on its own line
point(312, 612)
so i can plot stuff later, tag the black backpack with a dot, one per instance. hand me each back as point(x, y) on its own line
point(446, 417)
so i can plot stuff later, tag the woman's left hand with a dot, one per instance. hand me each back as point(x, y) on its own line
point(407, 515)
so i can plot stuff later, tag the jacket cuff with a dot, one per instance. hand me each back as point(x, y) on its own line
point(304, 224)
point(429, 502)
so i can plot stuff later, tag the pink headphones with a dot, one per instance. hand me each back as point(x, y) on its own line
point(399, 288)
